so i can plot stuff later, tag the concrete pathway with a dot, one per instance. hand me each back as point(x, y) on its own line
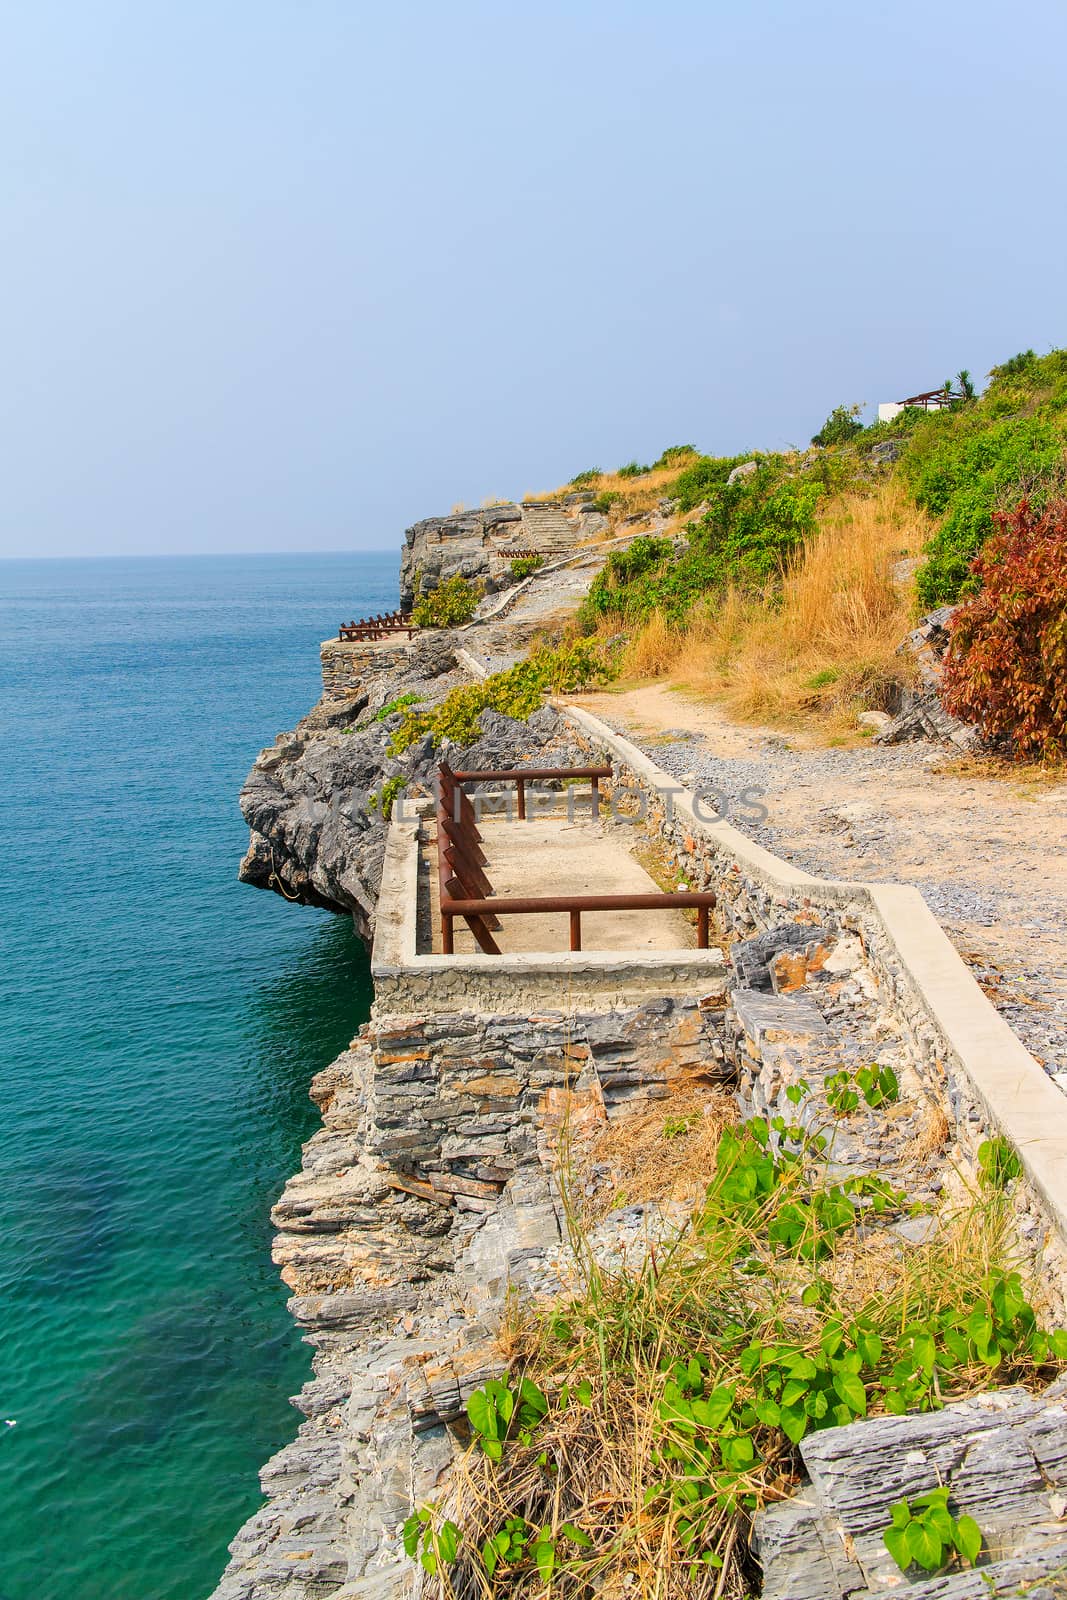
point(552, 856)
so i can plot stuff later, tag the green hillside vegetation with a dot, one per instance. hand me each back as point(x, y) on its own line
point(788, 591)
point(960, 464)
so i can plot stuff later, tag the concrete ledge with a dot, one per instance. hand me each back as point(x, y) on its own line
point(594, 980)
point(476, 668)
point(1016, 1093)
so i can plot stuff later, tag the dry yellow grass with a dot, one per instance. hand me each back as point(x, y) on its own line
point(664, 1153)
point(637, 494)
point(655, 650)
point(825, 644)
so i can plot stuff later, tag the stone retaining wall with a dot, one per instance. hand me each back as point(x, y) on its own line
point(970, 1059)
point(347, 664)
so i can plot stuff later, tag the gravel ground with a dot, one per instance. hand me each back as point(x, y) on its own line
point(989, 858)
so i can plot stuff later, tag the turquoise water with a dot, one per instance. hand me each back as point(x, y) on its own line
point(159, 1025)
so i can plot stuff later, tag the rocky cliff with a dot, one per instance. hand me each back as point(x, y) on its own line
point(311, 800)
point(481, 544)
point(430, 1193)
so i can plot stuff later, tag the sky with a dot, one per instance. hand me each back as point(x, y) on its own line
point(283, 277)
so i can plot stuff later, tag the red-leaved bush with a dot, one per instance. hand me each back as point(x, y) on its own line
point(1006, 664)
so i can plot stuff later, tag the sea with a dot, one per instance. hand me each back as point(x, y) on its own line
point(159, 1027)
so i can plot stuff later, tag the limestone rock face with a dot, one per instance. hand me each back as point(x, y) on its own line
point(317, 836)
point(923, 716)
point(440, 547)
point(480, 544)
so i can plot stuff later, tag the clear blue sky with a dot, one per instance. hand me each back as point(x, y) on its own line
point(284, 276)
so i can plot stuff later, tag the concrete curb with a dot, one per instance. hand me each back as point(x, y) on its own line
point(1019, 1097)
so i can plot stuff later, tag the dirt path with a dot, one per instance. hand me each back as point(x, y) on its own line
point(989, 857)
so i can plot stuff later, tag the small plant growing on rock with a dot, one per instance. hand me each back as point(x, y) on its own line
point(924, 1532)
point(998, 1162)
point(452, 603)
point(525, 567)
point(429, 1545)
point(399, 704)
point(841, 1096)
point(381, 800)
point(878, 1085)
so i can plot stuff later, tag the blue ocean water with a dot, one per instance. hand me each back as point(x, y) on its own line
point(159, 1025)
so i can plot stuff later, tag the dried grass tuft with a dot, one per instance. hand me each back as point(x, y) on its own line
point(666, 1153)
point(933, 1134)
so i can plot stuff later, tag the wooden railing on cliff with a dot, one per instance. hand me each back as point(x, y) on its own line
point(465, 890)
point(377, 627)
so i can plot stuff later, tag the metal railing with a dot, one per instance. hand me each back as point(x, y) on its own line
point(465, 890)
point(521, 776)
point(377, 627)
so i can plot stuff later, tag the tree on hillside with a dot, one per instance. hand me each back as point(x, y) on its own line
point(840, 426)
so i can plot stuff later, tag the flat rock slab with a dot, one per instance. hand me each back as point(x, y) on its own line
point(776, 1019)
point(1003, 1456)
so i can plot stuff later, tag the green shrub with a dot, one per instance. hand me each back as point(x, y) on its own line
point(516, 692)
point(604, 502)
point(747, 535)
point(382, 799)
point(707, 473)
point(840, 427)
point(1006, 665)
point(409, 699)
point(633, 469)
point(674, 455)
point(453, 602)
point(965, 462)
point(582, 480)
point(525, 566)
point(616, 589)
point(963, 475)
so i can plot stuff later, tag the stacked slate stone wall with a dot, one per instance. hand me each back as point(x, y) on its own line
point(750, 905)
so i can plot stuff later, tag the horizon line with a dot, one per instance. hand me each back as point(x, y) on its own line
point(201, 555)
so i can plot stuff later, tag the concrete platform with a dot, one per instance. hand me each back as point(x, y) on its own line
point(551, 856)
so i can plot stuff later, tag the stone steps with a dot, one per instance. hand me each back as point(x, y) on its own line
point(545, 528)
